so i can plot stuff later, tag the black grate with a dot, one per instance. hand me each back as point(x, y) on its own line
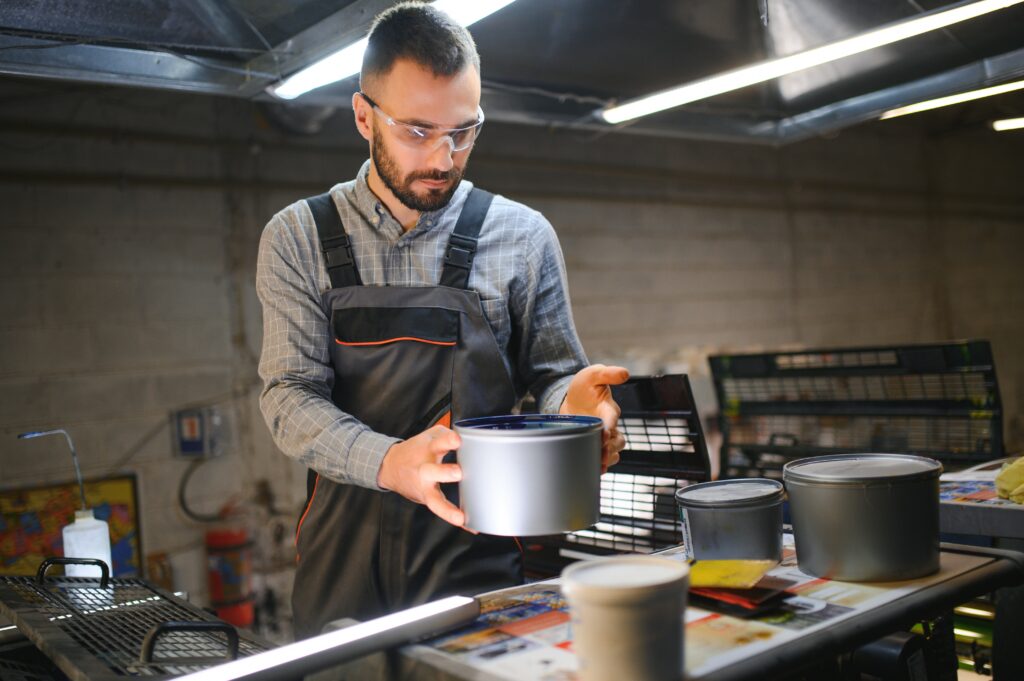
point(97, 633)
point(665, 451)
point(939, 400)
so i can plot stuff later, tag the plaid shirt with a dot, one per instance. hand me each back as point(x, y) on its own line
point(518, 272)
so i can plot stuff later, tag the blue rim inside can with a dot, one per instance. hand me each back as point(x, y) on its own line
point(563, 423)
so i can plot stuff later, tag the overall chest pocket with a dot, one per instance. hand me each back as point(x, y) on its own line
point(394, 365)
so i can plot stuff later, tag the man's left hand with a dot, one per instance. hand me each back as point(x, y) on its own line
point(590, 394)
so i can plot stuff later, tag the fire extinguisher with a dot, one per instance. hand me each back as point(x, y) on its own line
point(229, 568)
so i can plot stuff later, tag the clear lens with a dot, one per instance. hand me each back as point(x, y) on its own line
point(429, 139)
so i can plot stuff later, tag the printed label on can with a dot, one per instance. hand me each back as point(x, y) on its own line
point(687, 540)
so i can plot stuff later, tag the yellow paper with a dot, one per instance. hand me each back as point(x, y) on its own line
point(730, 574)
point(1010, 481)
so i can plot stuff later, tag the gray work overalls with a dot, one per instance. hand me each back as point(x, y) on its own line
point(405, 358)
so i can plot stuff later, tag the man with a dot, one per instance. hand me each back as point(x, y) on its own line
point(394, 305)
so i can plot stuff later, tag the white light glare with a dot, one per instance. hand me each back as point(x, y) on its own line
point(774, 68)
point(276, 657)
point(952, 99)
point(348, 60)
point(966, 634)
point(977, 612)
point(1008, 124)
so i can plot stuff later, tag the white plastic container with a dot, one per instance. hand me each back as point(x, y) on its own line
point(627, 617)
point(87, 537)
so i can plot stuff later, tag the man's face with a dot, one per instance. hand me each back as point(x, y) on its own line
point(421, 190)
point(421, 179)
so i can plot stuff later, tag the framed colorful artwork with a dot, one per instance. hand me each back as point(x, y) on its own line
point(32, 518)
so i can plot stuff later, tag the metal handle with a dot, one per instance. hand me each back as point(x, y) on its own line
point(149, 643)
point(56, 560)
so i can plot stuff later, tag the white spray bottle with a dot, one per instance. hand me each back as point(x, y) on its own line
point(87, 536)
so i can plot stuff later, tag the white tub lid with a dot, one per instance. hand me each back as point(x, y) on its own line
point(623, 577)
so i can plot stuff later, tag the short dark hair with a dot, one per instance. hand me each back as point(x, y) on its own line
point(417, 31)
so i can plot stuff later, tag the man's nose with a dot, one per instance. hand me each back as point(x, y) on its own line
point(441, 157)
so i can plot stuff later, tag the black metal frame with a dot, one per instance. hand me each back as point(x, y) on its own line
point(665, 451)
point(939, 400)
point(100, 629)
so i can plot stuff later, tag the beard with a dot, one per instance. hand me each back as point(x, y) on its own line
point(401, 187)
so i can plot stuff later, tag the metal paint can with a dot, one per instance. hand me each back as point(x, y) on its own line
point(732, 519)
point(865, 517)
point(530, 474)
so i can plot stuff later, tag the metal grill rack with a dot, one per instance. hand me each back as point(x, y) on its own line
point(937, 400)
point(665, 451)
point(95, 629)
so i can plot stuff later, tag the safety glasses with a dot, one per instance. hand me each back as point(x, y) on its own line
point(426, 138)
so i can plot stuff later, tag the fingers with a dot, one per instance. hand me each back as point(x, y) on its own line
point(433, 473)
point(430, 475)
point(614, 442)
point(442, 440)
point(609, 413)
point(442, 508)
point(599, 374)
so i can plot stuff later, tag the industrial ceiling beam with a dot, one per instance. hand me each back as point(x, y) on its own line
point(122, 66)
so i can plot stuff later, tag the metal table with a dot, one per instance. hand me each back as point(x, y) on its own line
point(524, 634)
point(971, 507)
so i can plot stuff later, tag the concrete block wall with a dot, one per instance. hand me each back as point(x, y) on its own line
point(131, 218)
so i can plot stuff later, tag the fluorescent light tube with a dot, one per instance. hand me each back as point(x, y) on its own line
point(1008, 124)
point(348, 60)
point(953, 99)
point(338, 646)
point(773, 68)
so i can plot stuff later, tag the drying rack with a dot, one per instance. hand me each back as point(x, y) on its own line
point(665, 451)
point(103, 629)
point(939, 400)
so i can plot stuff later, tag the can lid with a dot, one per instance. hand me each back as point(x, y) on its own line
point(731, 493)
point(861, 469)
point(529, 424)
point(623, 577)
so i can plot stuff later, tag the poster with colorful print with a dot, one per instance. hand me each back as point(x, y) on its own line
point(32, 520)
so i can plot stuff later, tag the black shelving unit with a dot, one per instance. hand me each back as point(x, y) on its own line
point(939, 400)
point(665, 451)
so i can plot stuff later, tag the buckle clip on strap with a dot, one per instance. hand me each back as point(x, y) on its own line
point(462, 244)
point(335, 244)
point(338, 251)
point(460, 252)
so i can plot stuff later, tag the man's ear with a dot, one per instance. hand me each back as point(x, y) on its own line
point(362, 112)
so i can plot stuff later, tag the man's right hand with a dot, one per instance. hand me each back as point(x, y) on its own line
point(413, 469)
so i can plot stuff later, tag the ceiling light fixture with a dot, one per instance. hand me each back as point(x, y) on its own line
point(348, 60)
point(952, 99)
point(1008, 124)
point(774, 68)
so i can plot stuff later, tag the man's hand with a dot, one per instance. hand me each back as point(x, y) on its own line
point(413, 469)
point(589, 394)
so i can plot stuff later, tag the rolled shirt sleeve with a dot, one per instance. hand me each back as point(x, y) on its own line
point(296, 370)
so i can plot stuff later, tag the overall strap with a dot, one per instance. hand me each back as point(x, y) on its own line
point(334, 242)
point(458, 258)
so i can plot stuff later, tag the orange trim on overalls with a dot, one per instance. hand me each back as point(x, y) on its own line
point(445, 420)
point(316, 483)
point(395, 340)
